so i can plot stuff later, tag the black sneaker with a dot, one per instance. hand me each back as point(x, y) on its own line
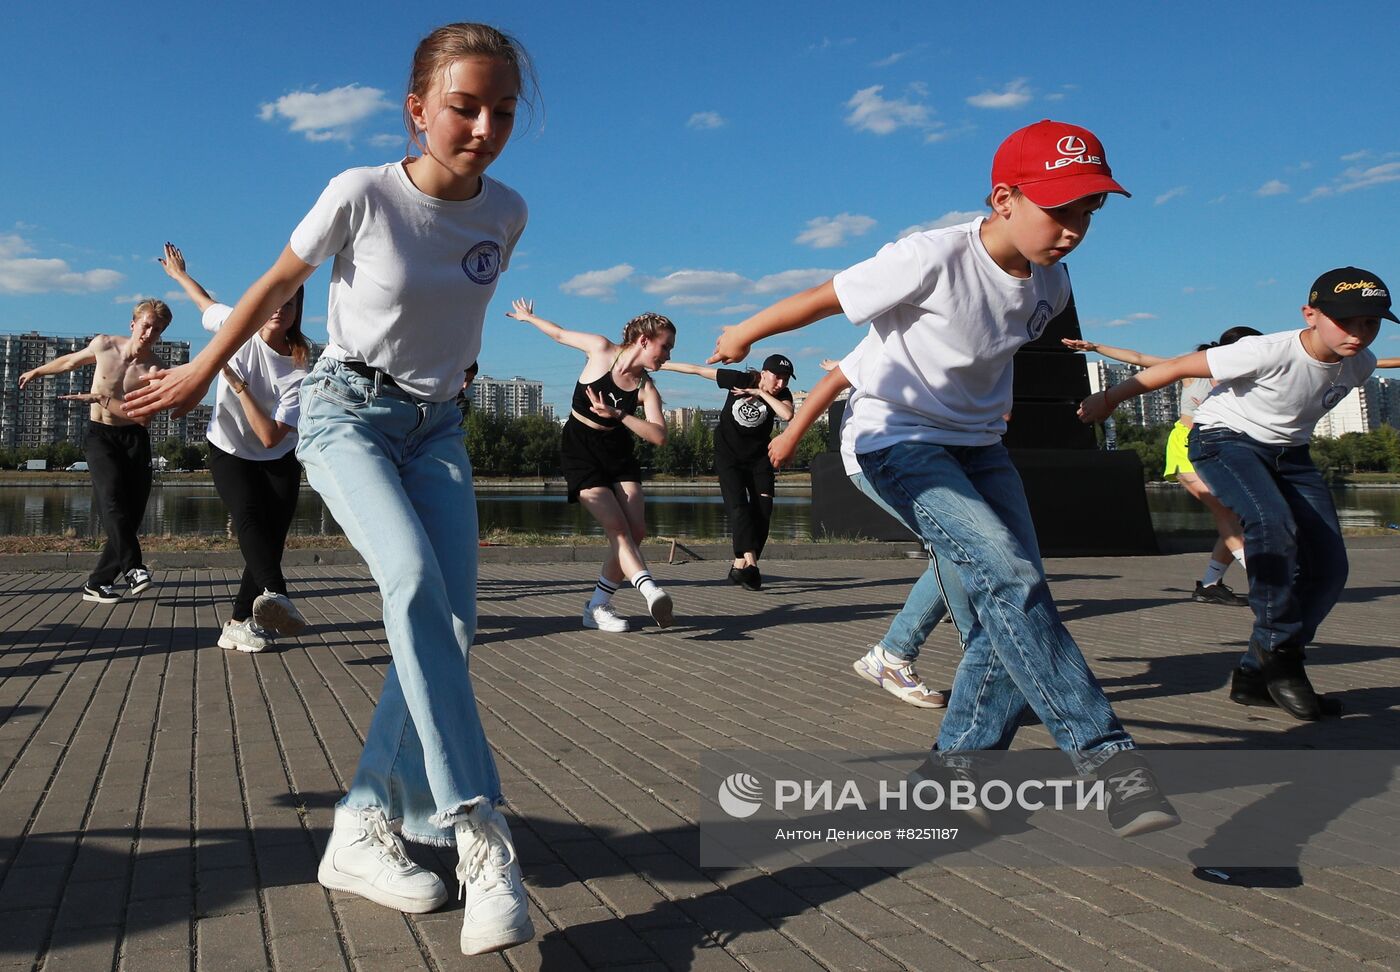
point(736, 576)
point(101, 594)
point(1136, 804)
point(751, 578)
point(1249, 687)
point(1286, 681)
point(1218, 593)
point(137, 580)
point(945, 776)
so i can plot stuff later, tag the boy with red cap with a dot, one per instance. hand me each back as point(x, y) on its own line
point(948, 309)
point(1250, 445)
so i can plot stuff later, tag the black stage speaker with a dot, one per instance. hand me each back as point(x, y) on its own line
point(1084, 501)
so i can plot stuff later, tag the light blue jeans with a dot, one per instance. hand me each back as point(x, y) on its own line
point(967, 505)
point(394, 473)
point(923, 608)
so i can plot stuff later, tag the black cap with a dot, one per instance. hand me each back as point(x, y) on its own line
point(1349, 292)
point(780, 365)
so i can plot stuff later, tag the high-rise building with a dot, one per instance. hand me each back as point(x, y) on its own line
point(1160, 407)
point(37, 416)
point(1360, 411)
point(684, 415)
point(513, 398)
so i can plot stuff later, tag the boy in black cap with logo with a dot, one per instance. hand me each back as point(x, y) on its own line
point(1250, 445)
point(755, 399)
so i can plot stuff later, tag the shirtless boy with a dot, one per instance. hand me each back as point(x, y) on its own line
point(118, 446)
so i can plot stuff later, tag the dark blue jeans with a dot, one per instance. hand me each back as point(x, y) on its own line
point(1294, 554)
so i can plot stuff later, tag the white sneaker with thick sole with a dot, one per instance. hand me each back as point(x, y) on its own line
point(660, 605)
point(604, 617)
point(364, 856)
point(278, 614)
point(897, 676)
point(495, 912)
point(243, 636)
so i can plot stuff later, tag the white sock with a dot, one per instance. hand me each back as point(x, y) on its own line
point(1215, 573)
point(602, 594)
point(643, 582)
point(1239, 557)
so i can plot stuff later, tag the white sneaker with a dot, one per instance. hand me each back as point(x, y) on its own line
point(897, 676)
point(496, 913)
point(364, 856)
point(605, 618)
point(278, 614)
point(137, 580)
point(660, 606)
point(243, 636)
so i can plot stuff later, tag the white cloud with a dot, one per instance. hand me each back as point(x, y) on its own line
point(706, 120)
point(790, 281)
point(951, 218)
point(1274, 187)
point(388, 141)
point(825, 232)
point(325, 116)
point(1014, 95)
point(1358, 178)
point(20, 274)
point(890, 59)
point(1271, 282)
point(872, 113)
point(598, 283)
point(694, 283)
point(1169, 195)
point(736, 309)
point(1356, 156)
point(1130, 319)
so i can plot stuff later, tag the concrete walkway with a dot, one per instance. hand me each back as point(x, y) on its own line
point(163, 803)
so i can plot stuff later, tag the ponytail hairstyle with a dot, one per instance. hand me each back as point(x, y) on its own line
point(1230, 337)
point(451, 42)
point(647, 325)
point(301, 347)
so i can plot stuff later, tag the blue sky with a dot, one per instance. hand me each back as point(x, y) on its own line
point(706, 159)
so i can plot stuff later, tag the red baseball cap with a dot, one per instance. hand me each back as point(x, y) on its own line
point(1054, 163)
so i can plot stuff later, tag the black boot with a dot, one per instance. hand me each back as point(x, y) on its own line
point(1287, 683)
point(1247, 687)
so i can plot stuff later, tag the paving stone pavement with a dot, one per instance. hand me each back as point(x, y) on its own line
point(163, 802)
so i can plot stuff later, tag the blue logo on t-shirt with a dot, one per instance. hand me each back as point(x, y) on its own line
point(483, 262)
point(1334, 395)
point(1039, 318)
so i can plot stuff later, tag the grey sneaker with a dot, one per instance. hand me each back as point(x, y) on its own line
point(366, 857)
point(137, 580)
point(278, 614)
point(496, 913)
point(243, 636)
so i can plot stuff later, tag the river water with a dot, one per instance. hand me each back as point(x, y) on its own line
point(694, 513)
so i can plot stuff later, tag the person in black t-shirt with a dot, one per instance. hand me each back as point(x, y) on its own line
point(755, 399)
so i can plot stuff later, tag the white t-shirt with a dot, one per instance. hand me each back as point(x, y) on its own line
point(850, 367)
point(1193, 392)
point(948, 321)
point(274, 381)
point(412, 274)
point(1273, 391)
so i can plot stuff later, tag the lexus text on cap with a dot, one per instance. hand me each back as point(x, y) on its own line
point(778, 364)
point(1053, 164)
point(1350, 292)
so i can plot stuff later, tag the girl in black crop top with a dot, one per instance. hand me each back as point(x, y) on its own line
point(596, 450)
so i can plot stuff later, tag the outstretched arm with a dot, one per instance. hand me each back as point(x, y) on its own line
point(524, 310)
point(109, 403)
point(1388, 362)
point(174, 266)
point(268, 430)
point(788, 314)
point(1100, 405)
point(180, 389)
point(65, 362)
point(690, 369)
point(819, 399)
point(1117, 354)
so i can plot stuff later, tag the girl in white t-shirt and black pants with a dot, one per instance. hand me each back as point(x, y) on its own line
point(252, 437)
point(417, 247)
point(1250, 445)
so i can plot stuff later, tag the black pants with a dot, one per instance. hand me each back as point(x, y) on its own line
point(119, 459)
point(261, 496)
point(748, 499)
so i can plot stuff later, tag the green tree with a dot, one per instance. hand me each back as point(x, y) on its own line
point(812, 444)
point(540, 449)
point(701, 442)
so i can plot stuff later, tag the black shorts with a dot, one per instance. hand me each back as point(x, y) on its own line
point(592, 458)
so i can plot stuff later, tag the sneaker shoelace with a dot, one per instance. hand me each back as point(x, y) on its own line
point(489, 856)
point(389, 843)
point(1131, 784)
point(912, 677)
